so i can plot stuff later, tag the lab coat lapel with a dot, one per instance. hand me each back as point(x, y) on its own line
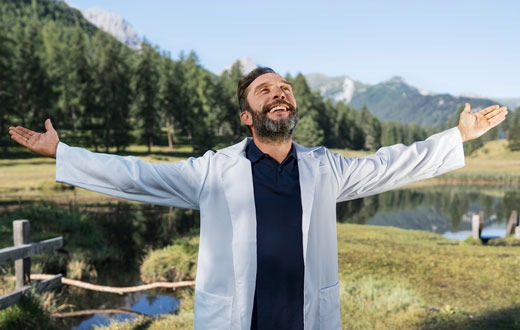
point(308, 168)
point(237, 179)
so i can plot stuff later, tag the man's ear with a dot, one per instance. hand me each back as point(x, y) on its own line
point(245, 118)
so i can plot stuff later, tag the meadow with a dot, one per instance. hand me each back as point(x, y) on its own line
point(390, 278)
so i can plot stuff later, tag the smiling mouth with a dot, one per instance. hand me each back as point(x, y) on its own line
point(278, 108)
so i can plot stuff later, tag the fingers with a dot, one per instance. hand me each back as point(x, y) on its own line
point(18, 135)
point(489, 109)
point(498, 117)
point(48, 125)
point(494, 115)
point(21, 132)
point(495, 111)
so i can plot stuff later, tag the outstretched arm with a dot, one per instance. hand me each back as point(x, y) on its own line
point(473, 125)
point(43, 144)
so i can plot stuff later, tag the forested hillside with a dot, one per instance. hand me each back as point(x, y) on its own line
point(101, 94)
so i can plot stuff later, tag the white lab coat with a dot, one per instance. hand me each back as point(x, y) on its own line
point(220, 185)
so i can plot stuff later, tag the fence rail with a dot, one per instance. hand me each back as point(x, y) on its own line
point(20, 254)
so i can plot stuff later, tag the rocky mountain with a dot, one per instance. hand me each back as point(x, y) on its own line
point(394, 99)
point(247, 64)
point(391, 100)
point(340, 88)
point(114, 24)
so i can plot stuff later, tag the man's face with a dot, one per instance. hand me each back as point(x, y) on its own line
point(272, 107)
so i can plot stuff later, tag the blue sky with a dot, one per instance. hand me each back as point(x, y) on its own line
point(456, 47)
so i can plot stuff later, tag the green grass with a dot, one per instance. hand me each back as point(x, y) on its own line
point(27, 314)
point(177, 262)
point(493, 164)
point(399, 279)
point(390, 278)
point(437, 283)
point(30, 177)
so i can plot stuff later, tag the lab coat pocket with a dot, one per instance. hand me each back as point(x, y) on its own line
point(212, 311)
point(329, 308)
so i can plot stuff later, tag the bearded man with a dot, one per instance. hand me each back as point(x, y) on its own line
point(268, 245)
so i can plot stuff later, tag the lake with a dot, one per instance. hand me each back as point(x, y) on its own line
point(133, 228)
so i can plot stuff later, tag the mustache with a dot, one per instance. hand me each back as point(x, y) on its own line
point(266, 108)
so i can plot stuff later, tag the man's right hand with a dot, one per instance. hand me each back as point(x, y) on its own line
point(44, 144)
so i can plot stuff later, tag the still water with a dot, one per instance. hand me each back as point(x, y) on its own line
point(148, 304)
point(443, 210)
point(133, 228)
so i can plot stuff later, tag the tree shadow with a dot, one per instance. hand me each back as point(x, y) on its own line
point(503, 319)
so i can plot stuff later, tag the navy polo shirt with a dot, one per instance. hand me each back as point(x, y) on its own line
point(278, 298)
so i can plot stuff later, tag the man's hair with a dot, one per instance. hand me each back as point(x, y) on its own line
point(244, 82)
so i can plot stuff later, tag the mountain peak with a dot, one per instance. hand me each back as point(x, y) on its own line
point(395, 80)
point(392, 100)
point(114, 24)
point(247, 64)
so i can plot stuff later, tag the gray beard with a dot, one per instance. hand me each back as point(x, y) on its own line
point(273, 130)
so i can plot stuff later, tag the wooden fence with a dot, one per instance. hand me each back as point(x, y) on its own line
point(20, 253)
point(513, 226)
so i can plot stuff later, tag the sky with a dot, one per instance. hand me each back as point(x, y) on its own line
point(460, 47)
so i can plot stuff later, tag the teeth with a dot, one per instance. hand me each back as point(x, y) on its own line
point(278, 108)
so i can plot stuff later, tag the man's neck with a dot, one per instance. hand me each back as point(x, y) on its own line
point(278, 150)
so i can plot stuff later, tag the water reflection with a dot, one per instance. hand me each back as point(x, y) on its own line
point(443, 210)
point(130, 229)
point(151, 305)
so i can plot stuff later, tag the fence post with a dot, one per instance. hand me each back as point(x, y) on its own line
point(476, 225)
point(23, 266)
point(511, 225)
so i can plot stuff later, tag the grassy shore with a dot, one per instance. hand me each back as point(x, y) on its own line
point(390, 278)
point(400, 279)
point(31, 177)
point(28, 177)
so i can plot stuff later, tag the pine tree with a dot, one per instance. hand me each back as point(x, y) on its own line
point(199, 116)
point(145, 90)
point(170, 91)
point(6, 84)
point(33, 92)
point(313, 120)
point(112, 92)
point(227, 103)
point(371, 127)
point(67, 67)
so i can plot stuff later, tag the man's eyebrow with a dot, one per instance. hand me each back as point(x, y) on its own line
point(262, 85)
point(288, 83)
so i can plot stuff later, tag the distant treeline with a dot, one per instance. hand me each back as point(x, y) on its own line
point(101, 94)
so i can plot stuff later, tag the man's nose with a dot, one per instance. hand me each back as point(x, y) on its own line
point(280, 94)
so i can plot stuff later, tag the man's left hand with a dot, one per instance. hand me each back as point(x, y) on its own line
point(473, 125)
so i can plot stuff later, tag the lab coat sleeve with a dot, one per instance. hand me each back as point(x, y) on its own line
point(398, 165)
point(169, 183)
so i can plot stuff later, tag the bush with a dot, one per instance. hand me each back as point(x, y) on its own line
point(173, 263)
point(26, 314)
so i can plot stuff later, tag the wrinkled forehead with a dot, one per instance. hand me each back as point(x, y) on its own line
point(267, 79)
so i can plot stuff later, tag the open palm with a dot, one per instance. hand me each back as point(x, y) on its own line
point(43, 144)
point(473, 125)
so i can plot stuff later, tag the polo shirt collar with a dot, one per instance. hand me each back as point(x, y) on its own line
point(254, 154)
